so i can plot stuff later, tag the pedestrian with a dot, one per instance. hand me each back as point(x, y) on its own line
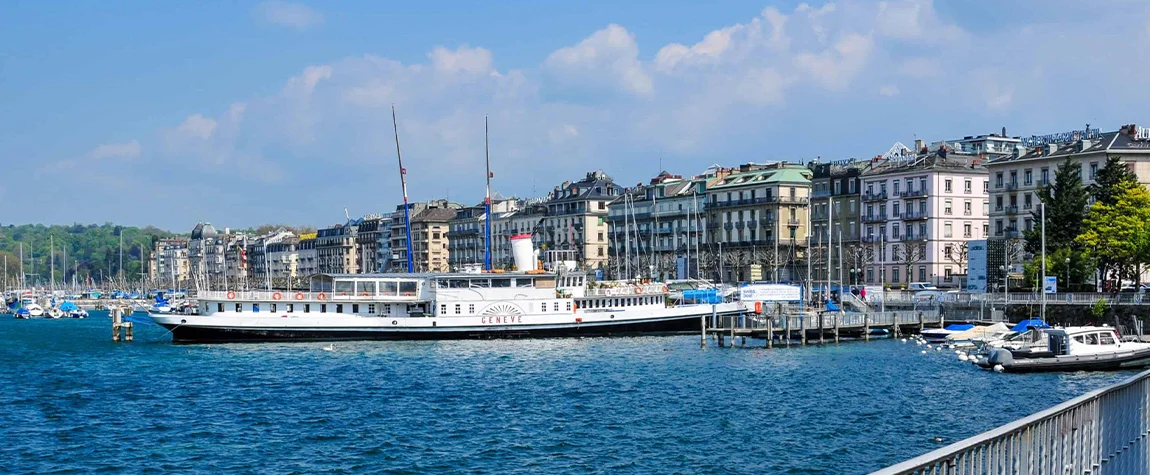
point(862, 294)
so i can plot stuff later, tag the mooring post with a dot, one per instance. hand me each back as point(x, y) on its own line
point(822, 338)
point(770, 332)
point(128, 331)
point(787, 330)
point(920, 323)
point(866, 327)
point(117, 320)
point(838, 316)
point(703, 331)
point(803, 329)
point(895, 330)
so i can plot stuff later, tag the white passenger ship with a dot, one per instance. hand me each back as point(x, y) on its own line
point(438, 306)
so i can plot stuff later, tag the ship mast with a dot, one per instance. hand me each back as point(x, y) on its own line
point(487, 201)
point(403, 185)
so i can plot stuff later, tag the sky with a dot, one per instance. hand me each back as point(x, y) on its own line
point(244, 113)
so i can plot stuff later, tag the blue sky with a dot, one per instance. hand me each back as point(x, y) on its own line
point(242, 113)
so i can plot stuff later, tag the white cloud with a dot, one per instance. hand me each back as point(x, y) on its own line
point(609, 57)
point(196, 126)
point(888, 91)
point(463, 59)
point(836, 67)
point(914, 20)
point(127, 151)
point(291, 15)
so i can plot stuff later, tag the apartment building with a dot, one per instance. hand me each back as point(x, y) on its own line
point(367, 239)
point(206, 254)
point(654, 229)
point(467, 235)
point(917, 212)
point(336, 249)
point(528, 218)
point(283, 262)
point(576, 219)
point(170, 265)
point(307, 258)
point(422, 247)
point(835, 205)
point(758, 216)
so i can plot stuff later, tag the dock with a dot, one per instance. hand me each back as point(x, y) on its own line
point(805, 328)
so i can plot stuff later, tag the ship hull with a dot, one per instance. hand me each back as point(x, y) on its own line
point(208, 334)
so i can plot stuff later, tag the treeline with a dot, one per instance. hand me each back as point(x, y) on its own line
point(1098, 233)
point(91, 250)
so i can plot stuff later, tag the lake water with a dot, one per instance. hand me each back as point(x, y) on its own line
point(73, 401)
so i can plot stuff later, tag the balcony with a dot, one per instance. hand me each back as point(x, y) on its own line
point(1012, 233)
point(874, 218)
point(1013, 209)
point(914, 216)
point(742, 202)
point(752, 223)
point(869, 196)
point(920, 193)
point(820, 194)
point(740, 225)
point(870, 239)
point(819, 217)
point(728, 226)
point(793, 222)
point(1012, 186)
point(759, 242)
point(787, 199)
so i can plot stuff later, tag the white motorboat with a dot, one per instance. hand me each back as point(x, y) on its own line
point(1087, 348)
point(34, 309)
point(54, 312)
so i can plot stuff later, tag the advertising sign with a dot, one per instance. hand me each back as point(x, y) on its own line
point(976, 266)
point(1051, 286)
point(770, 293)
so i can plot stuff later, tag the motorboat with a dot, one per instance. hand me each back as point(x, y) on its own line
point(71, 310)
point(34, 309)
point(979, 334)
point(1087, 348)
point(23, 314)
point(940, 335)
point(54, 312)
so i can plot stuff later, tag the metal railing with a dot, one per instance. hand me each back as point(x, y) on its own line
point(1100, 432)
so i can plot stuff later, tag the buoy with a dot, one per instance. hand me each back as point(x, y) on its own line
point(928, 346)
point(958, 352)
point(962, 357)
point(904, 340)
point(998, 368)
point(938, 349)
point(923, 352)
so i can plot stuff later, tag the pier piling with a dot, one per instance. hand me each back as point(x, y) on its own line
point(837, 318)
point(866, 327)
point(822, 336)
point(770, 332)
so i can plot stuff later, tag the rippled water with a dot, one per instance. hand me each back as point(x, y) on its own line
point(73, 401)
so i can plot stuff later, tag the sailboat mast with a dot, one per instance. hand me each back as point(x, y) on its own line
point(487, 201)
point(403, 185)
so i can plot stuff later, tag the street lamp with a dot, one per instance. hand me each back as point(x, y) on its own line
point(1067, 284)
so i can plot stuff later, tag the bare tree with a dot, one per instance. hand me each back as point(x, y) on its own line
point(858, 256)
point(909, 254)
point(958, 254)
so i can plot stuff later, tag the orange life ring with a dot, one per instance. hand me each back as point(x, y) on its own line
point(277, 296)
point(299, 295)
point(638, 290)
point(231, 295)
point(321, 296)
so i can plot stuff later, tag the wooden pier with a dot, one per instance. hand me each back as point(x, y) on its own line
point(801, 329)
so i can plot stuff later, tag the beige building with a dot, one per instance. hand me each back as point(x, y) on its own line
point(170, 262)
point(337, 250)
point(757, 222)
point(835, 204)
point(421, 259)
point(577, 219)
point(528, 218)
point(429, 239)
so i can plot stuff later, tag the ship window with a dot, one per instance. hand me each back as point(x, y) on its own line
point(388, 288)
point(1091, 338)
point(355, 308)
point(239, 308)
point(481, 283)
point(273, 308)
point(501, 282)
point(568, 306)
point(256, 307)
point(1080, 339)
point(1107, 338)
point(365, 288)
point(219, 307)
point(543, 307)
point(291, 308)
point(344, 286)
point(471, 308)
point(371, 309)
point(556, 306)
point(522, 282)
point(323, 308)
point(307, 308)
point(457, 309)
point(407, 288)
point(443, 309)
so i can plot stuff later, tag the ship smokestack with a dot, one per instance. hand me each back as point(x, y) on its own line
point(523, 251)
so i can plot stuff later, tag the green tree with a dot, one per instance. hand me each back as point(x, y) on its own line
point(1065, 201)
point(1109, 181)
point(1118, 234)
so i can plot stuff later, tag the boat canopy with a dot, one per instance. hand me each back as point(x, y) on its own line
point(68, 307)
point(1027, 324)
point(979, 332)
point(958, 327)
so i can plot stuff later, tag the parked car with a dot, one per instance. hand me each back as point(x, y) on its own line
point(915, 286)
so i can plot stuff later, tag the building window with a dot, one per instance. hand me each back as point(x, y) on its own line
point(946, 209)
point(966, 230)
point(895, 184)
point(985, 186)
point(946, 185)
point(946, 230)
point(998, 203)
point(894, 231)
point(922, 274)
point(998, 180)
point(967, 187)
point(1026, 201)
point(1027, 177)
point(894, 275)
point(1045, 177)
point(966, 208)
point(1093, 169)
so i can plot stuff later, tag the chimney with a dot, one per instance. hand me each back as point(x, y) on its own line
point(919, 144)
point(1003, 132)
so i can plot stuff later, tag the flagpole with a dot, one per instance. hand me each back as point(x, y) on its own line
point(403, 185)
point(487, 201)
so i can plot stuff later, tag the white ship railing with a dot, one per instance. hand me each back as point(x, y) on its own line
point(299, 295)
point(627, 289)
point(1101, 432)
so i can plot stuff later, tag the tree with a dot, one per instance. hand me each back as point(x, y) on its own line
point(1118, 234)
point(858, 256)
point(958, 254)
point(1109, 181)
point(1065, 201)
point(909, 254)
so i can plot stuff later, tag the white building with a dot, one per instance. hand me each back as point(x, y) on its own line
point(918, 211)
